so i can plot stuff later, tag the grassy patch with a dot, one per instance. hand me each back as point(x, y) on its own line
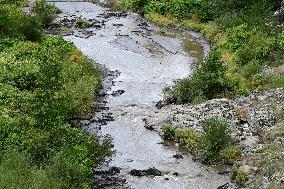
point(213, 145)
point(269, 159)
point(239, 176)
point(82, 23)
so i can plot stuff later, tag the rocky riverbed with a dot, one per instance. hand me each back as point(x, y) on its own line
point(251, 119)
point(141, 60)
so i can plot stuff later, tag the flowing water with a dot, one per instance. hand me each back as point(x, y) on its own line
point(149, 59)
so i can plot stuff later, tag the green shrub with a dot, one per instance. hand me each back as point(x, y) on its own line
point(17, 171)
point(14, 22)
point(15, 2)
point(169, 132)
point(8, 42)
point(250, 69)
point(230, 155)
point(139, 5)
point(216, 137)
point(42, 86)
point(70, 173)
point(188, 138)
point(206, 83)
point(213, 145)
point(239, 176)
point(45, 13)
point(177, 8)
point(82, 23)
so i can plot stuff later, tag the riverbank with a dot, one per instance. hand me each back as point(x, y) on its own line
point(255, 121)
point(45, 82)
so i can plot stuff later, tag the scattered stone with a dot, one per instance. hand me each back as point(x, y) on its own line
point(160, 104)
point(228, 186)
point(137, 173)
point(199, 175)
point(153, 171)
point(118, 92)
point(114, 170)
point(178, 156)
point(114, 14)
point(175, 174)
point(242, 111)
point(148, 172)
point(118, 25)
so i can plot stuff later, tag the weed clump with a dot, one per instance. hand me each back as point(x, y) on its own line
point(82, 23)
point(239, 176)
point(213, 145)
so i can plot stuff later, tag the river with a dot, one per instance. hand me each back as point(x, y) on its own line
point(148, 59)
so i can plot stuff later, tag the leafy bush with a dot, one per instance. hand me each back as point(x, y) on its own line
point(189, 138)
point(15, 2)
point(213, 145)
point(82, 23)
point(43, 85)
point(239, 176)
point(216, 137)
point(169, 132)
point(17, 171)
point(230, 155)
point(14, 22)
point(206, 83)
point(139, 5)
point(186, 137)
point(8, 42)
point(45, 13)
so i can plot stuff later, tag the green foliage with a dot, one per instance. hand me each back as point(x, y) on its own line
point(82, 23)
point(216, 137)
point(17, 171)
point(14, 22)
point(213, 145)
point(42, 86)
point(189, 138)
point(45, 13)
point(250, 69)
point(206, 83)
point(8, 42)
point(15, 2)
point(230, 155)
point(239, 176)
point(169, 132)
point(205, 9)
point(139, 5)
point(186, 137)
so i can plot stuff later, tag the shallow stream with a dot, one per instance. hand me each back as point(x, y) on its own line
point(148, 59)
